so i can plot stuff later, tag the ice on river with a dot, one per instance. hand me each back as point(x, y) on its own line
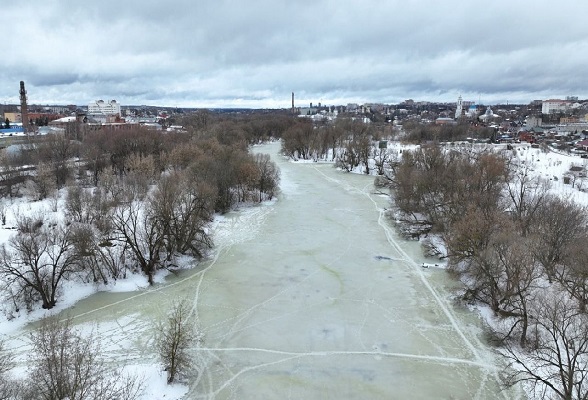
point(315, 297)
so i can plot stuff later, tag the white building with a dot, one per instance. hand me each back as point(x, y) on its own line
point(488, 115)
point(554, 106)
point(532, 121)
point(105, 108)
point(472, 111)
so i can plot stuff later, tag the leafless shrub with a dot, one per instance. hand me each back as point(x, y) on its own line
point(3, 212)
point(67, 365)
point(29, 223)
point(177, 333)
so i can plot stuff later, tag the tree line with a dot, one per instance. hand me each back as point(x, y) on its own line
point(131, 200)
point(517, 248)
point(349, 142)
point(353, 144)
point(416, 132)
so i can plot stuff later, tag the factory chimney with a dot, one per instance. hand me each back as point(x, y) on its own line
point(23, 107)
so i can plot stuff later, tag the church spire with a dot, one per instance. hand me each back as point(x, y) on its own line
point(459, 108)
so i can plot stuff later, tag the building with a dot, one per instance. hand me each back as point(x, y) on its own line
point(60, 109)
point(459, 108)
point(569, 120)
point(104, 108)
point(533, 121)
point(445, 121)
point(555, 106)
point(307, 111)
point(12, 117)
point(488, 116)
point(472, 111)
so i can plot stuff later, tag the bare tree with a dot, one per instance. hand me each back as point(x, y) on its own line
point(520, 282)
point(86, 247)
point(94, 155)
point(333, 139)
point(56, 151)
point(38, 260)
point(181, 210)
point(5, 359)
point(43, 181)
point(77, 202)
point(111, 186)
point(498, 267)
point(269, 176)
point(135, 227)
point(559, 225)
point(363, 147)
point(135, 185)
point(572, 274)
point(86, 205)
point(246, 178)
point(527, 194)
point(381, 159)
point(348, 158)
point(67, 365)
point(175, 337)
point(472, 234)
point(556, 365)
point(298, 140)
point(180, 157)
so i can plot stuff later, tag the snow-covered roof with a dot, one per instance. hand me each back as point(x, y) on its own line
point(64, 120)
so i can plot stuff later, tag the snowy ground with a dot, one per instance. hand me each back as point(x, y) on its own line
point(551, 166)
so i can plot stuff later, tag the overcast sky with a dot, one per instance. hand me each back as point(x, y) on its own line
point(255, 53)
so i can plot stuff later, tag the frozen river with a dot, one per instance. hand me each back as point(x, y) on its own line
point(313, 297)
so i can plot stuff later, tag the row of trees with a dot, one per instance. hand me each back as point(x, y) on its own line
point(416, 132)
point(348, 142)
point(352, 143)
point(54, 156)
point(517, 248)
point(251, 128)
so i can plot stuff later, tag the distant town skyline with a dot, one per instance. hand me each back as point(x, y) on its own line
point(255, 54)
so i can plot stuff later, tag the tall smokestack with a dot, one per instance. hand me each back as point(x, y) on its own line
point(23, 107)
point(292, 102)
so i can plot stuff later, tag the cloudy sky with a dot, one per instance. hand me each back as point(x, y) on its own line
point(255, 53)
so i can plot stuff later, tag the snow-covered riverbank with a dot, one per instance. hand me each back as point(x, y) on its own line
point(264, 304)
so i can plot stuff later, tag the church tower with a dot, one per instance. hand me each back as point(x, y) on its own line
point(459, 108)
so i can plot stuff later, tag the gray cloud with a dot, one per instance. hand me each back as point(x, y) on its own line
point(233, 53)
